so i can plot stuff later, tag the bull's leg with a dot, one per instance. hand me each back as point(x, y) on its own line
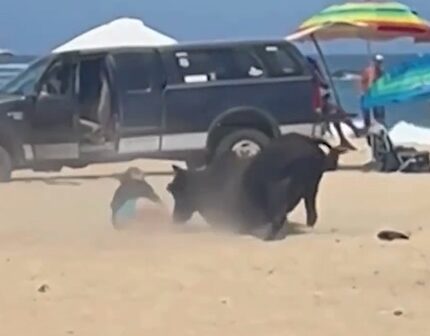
point(310, 203)
point(277, 206)
point(276, 226)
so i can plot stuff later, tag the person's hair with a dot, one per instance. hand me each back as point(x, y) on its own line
point(132, 173)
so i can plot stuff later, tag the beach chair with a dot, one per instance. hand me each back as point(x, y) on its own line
point(390, 158)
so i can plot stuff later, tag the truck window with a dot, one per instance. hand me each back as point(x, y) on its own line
point(25, 81)
point(134, 70)
point(217, 64)
point(59, 79)
point(279, 61)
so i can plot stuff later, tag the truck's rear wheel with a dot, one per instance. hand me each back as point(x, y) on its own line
point(243, 142)
point(5, 165)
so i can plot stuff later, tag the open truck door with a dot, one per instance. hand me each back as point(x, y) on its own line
point(54, 132)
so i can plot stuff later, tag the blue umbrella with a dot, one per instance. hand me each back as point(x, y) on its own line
point(409, 81)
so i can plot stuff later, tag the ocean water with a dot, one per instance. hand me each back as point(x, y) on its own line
point(404, 116)
point(11, 65)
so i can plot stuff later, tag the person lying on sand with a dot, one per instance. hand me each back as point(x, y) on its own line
point(132, 187)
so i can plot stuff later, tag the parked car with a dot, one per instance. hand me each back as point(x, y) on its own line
point(183, 102)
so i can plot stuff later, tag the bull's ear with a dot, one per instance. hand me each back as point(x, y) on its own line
point(176, 169)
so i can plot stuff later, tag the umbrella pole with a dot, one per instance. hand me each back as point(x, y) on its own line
point(327, 70)
point(369, 49)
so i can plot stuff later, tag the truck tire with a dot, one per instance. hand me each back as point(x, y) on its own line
point(245, 142)
point(77, 165)
point(5, 166)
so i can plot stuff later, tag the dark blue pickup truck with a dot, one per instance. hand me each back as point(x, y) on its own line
point(184, 102)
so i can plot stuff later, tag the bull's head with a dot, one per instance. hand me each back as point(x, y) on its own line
point(182, 191)
point(332, 158)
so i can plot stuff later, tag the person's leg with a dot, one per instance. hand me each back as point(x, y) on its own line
point(366, 113)
point(379, 114)
point(366, 117)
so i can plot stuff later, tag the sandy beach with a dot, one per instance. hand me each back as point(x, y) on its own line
point(65, 271)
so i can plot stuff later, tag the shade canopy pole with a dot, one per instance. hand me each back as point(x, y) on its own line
point(369, 49)
point(327, 70)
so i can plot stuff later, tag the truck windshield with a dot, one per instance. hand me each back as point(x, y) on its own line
point(25, 81)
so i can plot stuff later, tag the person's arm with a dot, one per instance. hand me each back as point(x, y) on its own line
point(117, 198)
point(145, 190)
point(154, 197)
point(365, 80)
point(373, 76)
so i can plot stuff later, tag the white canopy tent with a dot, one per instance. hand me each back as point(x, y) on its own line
point(6, 52)
point(123, 32)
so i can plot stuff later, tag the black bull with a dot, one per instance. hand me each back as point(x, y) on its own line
point(250, 193)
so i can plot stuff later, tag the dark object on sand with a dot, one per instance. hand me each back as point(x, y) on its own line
point(390, 158)
point(389, 235)
point(253, 192)
point(398, 312)
point(43, 289)
point(132, 187)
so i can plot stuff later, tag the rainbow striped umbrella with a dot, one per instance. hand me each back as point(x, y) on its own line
point(368, 20)
point(409, 81)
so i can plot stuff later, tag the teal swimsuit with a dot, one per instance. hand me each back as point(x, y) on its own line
point(126, 212)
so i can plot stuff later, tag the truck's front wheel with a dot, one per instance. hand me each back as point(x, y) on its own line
point(5, 165)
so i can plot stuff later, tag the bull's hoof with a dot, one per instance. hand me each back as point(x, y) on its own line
point(273, 239)
point(178, 222)
point(311, 221)
point(269, 238)
point(272, 236)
